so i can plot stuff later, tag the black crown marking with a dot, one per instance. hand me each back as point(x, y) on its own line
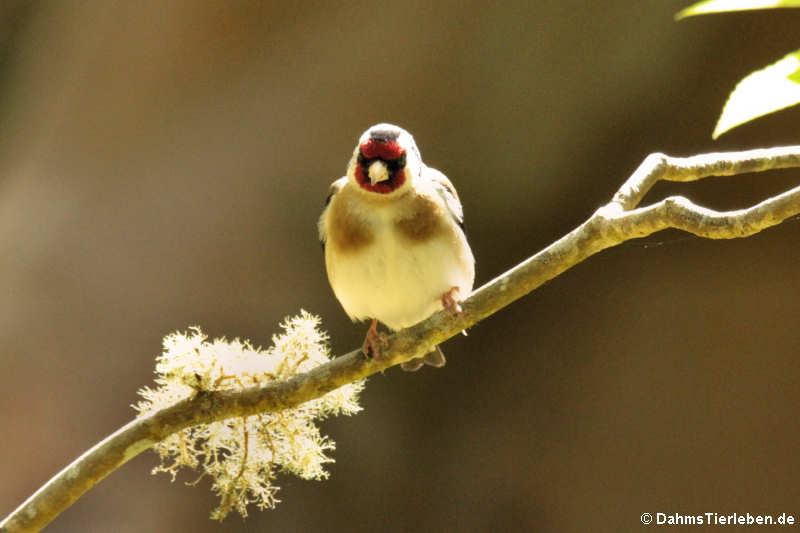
point(384, 135)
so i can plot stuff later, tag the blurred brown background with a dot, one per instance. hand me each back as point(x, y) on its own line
point(163, 164)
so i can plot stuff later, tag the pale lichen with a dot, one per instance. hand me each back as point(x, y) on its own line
point(242, 455)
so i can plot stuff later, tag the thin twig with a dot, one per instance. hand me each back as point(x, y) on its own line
point(612, 224)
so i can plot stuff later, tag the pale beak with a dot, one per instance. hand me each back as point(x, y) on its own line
point(378, 172)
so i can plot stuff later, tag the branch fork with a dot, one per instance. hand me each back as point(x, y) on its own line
point(616, 222)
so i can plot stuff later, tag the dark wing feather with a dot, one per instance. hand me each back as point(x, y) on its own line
point(448, 194)
point(336, 186)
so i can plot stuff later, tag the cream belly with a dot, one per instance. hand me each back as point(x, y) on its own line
point(397, 281)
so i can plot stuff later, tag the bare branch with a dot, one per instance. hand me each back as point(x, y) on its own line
point(610, 225)
point(658, 167)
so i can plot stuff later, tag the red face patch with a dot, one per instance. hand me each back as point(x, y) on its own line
point(385, 150)
point(391, 153)
point(396, 179)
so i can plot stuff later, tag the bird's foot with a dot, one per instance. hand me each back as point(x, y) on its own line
point(374, 341)
point(450, 303)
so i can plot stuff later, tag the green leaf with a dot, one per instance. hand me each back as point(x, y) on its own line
point(722, 6)
point(762, 92)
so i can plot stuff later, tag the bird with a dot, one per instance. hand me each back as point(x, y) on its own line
point(392, 232)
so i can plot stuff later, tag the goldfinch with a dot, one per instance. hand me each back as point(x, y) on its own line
point(392, 231)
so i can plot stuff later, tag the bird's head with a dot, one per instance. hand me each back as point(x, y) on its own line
point(386, 160)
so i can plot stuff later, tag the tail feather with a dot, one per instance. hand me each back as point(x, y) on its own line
point(434, 358)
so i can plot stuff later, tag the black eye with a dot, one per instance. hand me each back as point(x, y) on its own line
point(396, 164)
point(365, 162)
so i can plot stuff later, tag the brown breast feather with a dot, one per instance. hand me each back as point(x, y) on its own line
point(346, 231)
point(421, 220)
